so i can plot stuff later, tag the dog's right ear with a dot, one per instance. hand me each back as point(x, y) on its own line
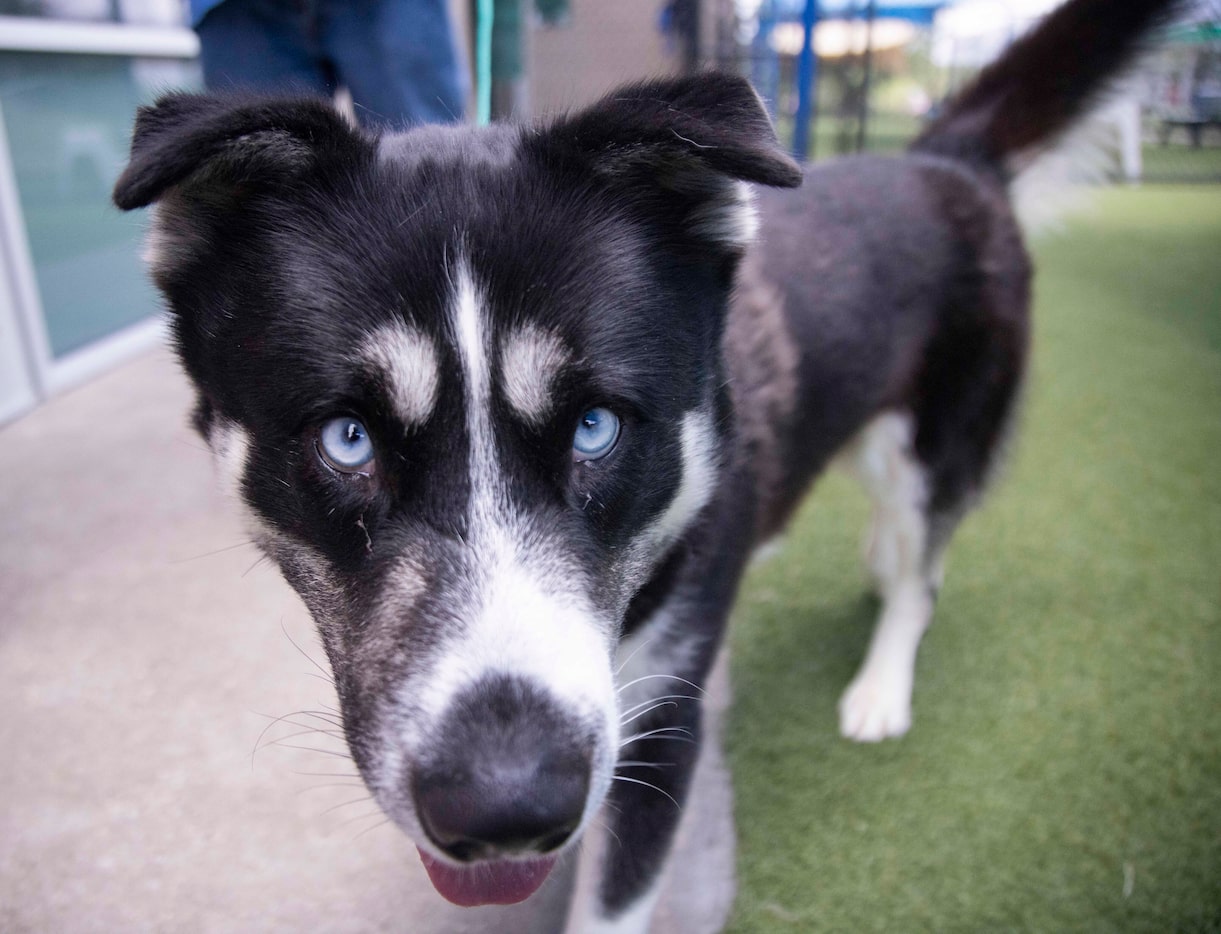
point(684, 146)
point(226, 145)
point(712, 123)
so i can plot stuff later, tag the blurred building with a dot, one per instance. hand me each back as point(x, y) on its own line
point(73, 297)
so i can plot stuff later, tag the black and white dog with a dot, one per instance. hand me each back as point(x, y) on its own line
point(511, 408)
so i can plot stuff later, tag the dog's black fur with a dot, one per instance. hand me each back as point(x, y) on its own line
point(614, 246)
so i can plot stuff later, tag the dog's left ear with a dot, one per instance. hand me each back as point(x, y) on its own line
point(696, 137)
point(223, 143)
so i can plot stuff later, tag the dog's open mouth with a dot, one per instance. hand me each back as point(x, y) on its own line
point(489, 882)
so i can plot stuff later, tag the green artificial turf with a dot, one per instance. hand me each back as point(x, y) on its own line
point(1064, 768)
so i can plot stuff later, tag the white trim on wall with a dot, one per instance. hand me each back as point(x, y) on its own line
point(18, 269)
point(104, 354)
point(17, 394)
point(34, 34)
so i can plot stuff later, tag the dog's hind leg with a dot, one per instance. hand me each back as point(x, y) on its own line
point(877, 704)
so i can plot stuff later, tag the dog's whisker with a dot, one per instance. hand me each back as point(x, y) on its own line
point(605, 825)
point(325, 716)
point(359, 817)
point(661, 730)
point(321, 726)
point(198, 447)
point(328, 774)
point(259, 560)
point(666, 700)
point(353, 784)
point(258, 743)
point(641, 781)
point(325, 674)
point(320, 714)
point(641, 764)
point(635, 681)
point(332, 732)
point(361, 800)
point(218, 551)
point(381, 823)
point(325, 752)
point(659, 697)
point(305, 732)
point(349, 821)
point(660, 733)
point(624, 721)
point(635, 652)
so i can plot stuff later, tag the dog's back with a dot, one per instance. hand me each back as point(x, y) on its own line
point(885, 269)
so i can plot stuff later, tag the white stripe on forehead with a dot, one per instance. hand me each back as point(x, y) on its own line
point(530, 360)
point(407, 359)
point(526, 614)
point(471, 344)
point(473, 353)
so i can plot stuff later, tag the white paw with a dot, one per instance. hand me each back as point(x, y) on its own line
point(876, 707)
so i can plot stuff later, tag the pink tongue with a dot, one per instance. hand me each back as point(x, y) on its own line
point(506, 882)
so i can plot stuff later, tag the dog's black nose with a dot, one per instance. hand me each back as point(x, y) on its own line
point(510, 774)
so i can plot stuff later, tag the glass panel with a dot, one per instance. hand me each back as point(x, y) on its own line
point(141, 12)
point(68, 119)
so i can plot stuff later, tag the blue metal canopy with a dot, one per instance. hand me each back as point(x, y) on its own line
point(915, 11)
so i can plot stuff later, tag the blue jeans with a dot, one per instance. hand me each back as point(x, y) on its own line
point(397, 58)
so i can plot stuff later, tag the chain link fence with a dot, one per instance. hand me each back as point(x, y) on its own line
point(883, 67)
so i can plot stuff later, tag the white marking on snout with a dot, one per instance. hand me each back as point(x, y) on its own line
point(522, 627)
point(408, 361)
point(530, 359)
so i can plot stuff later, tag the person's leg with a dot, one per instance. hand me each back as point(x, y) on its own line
point(398, 58)
point(266, 45)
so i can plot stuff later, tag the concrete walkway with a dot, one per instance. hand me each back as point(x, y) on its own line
point(144, 648)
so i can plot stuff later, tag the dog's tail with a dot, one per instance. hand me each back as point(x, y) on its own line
point(1044, 82)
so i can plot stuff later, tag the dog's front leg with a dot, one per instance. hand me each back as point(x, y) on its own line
point(663, 665)
point(660, 748)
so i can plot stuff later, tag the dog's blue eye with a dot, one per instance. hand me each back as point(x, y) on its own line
point(597, 431)
point(345, 445)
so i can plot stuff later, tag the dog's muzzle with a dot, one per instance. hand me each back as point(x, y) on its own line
point(505, 786)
